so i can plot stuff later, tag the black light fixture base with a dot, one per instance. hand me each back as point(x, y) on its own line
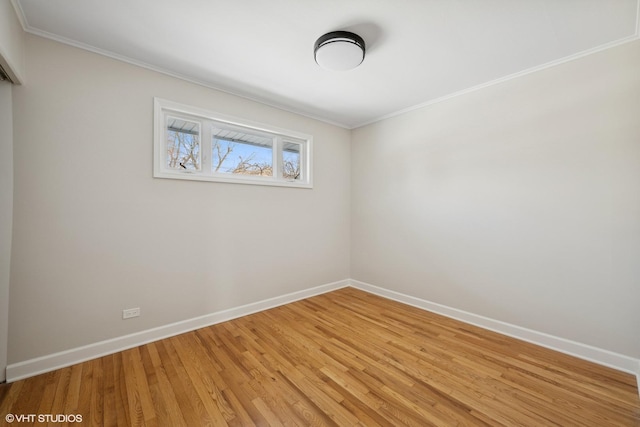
point(339, 37)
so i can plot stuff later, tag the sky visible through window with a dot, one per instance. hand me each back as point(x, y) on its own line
point(238, 153)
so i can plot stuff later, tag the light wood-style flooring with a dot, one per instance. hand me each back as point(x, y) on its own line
point(344, 358)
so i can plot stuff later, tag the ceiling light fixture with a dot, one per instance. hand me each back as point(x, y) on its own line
point(339, 51)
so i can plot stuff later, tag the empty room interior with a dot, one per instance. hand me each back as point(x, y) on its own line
point(320, 213)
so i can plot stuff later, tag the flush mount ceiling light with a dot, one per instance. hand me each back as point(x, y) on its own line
point(339, 51)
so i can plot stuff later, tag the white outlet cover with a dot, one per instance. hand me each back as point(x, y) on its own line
point(130, 312)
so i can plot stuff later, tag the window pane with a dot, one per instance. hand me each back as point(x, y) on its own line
point(241, 153)
point(291, 160)
point(183, 144)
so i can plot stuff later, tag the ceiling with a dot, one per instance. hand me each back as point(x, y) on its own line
point(418, 51)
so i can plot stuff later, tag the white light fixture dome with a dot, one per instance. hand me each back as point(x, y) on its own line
point(339, 51)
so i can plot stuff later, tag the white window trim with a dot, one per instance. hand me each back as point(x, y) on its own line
point(163, 108)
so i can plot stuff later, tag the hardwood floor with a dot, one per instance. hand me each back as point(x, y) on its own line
point(344, 358)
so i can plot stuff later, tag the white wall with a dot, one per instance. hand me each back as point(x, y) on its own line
point(6, 215)
point(94, 233)
point(11, 42)
point(519, 202)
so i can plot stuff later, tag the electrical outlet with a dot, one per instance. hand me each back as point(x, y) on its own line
point(131, 312)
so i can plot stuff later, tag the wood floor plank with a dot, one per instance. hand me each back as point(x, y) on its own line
point(28, 398)
point(49, 392)
point(62, 387)
point(190, 391)
point(108, 393)
point(204, 373)
point(164, 400)
point(344, 358)
point(179, 385)
point(96, 400)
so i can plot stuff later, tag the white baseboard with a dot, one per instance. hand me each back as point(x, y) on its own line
point(638, 377)
point(29, 368)
point(582, 351)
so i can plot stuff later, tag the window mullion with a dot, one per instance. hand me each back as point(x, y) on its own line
point(305, 167)
point(277, 157)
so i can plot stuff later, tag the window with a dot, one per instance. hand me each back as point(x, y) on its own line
point(190, 143)
point(183, 144)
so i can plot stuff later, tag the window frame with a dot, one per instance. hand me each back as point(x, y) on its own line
point(164, 108)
